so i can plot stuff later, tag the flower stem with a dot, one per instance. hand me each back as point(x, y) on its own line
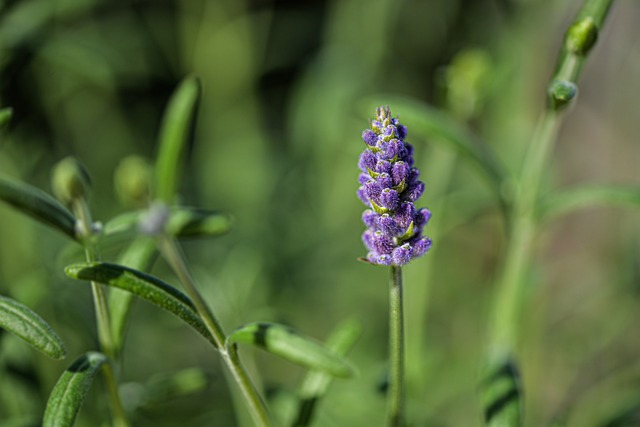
point(396, 349)
point(175, 257)
point(578, 42)
point(105, 335)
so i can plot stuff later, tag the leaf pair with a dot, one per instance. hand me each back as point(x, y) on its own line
point(276, 339)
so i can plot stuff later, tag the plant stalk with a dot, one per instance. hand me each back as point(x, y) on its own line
point(523, 219)
point(396, 349)
point(175, 257)
point(105, 335)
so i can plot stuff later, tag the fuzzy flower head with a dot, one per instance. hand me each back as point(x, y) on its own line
point(389, 186)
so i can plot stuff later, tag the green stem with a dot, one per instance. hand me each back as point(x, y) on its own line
point(105, 335)
point(396, 349)
point(521, 237)
point(523, 226)
point(174, 256)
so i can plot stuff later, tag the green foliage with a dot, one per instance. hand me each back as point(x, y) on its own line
point(287, 343)
point(39, 205)
point(178, 121)
point(281, 96)
point(26, 324)
point(144, 286)
point(70, 391)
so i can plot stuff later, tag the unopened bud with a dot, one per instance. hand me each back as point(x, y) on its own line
point(70, 180)
point(133, 181)
point(582, 35)
point(561, 92)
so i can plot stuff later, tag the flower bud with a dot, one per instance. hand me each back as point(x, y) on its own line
point(132, 180)
point(70, 180)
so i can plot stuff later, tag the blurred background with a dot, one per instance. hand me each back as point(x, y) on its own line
point(287, 90)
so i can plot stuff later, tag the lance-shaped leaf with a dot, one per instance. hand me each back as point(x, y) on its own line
point(194, 222)
point(316, 382)
point(143, 285)
point(38, 204)
point(178, 121)
point(183, 222)
point(71, 389)
point(502, 396)
point(26, 324)
point(290, 345)
point(589, 195)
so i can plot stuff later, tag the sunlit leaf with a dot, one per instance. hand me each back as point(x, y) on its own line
point(26, 324)
point(143, 285)
point(290, 345)
point(71, 389)
point(38, 204)
point(178, 120)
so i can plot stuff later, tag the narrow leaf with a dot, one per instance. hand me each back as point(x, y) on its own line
point(179, 118)
point(183, 222)
point(26, 324)
point(38, 204)
point(71, 389)
point(143, 285)
point(316, 382)
point(194, 222)
point(502, 396)
point(139, 255)
point(589, 195)
point(284, 342)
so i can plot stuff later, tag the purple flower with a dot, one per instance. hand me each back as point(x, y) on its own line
point(389, 186)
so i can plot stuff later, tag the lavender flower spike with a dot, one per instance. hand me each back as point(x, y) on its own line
point(389, 187)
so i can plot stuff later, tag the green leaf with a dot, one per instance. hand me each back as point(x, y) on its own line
point(589, 195)
point(439, 127)
point(143, 285)
point(183, 222)
point(502, 396)
point(71, 389)
point(139, 255)
point(316, 382)
point(178, 120)
point(286, 343)
point(38, 204)
point(193, 222)
point(26, 324)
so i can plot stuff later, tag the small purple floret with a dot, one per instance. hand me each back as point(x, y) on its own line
point(389, 186)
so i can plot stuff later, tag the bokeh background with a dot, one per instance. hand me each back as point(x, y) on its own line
point(287, 90)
